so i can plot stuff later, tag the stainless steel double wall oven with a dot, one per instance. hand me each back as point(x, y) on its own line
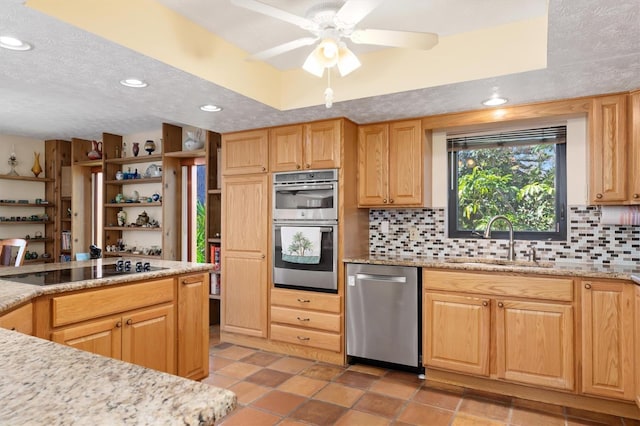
point(306, 201)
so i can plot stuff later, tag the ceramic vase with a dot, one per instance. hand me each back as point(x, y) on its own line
point(135, 149)
point(149, 146)
point(36, 169)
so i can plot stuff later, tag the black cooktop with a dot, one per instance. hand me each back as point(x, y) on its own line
point(67, 275)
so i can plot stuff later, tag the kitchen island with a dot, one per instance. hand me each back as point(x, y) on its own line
point(156, 320)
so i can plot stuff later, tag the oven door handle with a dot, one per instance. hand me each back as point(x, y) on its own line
point(322, 229)
point(302, 187)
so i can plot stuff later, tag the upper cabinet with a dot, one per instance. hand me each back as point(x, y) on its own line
point(608, 151)
point(305, 146)
point(245, 152)
point(634, 140)
point(391, 165)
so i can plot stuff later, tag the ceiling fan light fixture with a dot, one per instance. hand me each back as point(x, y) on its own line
point(347, 60)
point(312, 64)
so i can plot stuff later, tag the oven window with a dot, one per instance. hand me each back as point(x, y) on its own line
point(304, 199)
point(326, 254)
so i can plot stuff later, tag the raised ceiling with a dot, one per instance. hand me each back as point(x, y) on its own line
point(68, 85)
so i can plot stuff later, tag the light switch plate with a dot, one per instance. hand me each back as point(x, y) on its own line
point(413, 234)
point(384, 226)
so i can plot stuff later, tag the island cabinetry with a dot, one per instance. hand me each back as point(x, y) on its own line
point(306, 146)
point(607, 346)
point(245, 248)
point(472, 318)
point(193, 326)
point(19, 319)
point(306, 318)
point(245, 152)
point(135, 323)
point(391, 165)
point(608, 144)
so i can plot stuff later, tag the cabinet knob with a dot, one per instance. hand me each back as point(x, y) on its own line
point(500, 305)
point(308, 166)
point(303, 319)
point(262, 256)
point(587, 286)
point(391, 201)
point(13, 329)
point(598, 196)
point(636, 196)
point(485, 303)
point(119, 324)
point(301, 300)
point(298, 166)
point(384, 201)
point(264, 169)
point(303, 338)
point(129, 321)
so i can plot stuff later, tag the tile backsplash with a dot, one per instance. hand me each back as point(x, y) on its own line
point(587, 239)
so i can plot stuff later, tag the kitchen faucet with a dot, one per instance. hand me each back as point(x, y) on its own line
point(487, 234)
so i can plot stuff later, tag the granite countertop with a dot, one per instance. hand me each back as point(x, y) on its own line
point(42, 382)
point(14, 293)
point(558, 268)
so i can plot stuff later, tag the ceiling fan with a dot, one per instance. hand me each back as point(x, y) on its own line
point(331, 23)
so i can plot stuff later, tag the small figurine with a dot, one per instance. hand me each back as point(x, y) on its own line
point(122, 218)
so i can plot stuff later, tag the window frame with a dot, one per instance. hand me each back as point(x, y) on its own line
point(560, 204)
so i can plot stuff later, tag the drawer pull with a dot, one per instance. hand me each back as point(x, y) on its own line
point(301, 300)
point(13, 329)
point(129, 321)
point(302, 338)
point(587, 286)
point(500, 305)
point(188, 281)
point(303, 319)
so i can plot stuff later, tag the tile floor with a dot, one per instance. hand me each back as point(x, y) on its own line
point(274, 389)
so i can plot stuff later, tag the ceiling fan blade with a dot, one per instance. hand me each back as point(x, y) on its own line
point(354, 11)
point(274, 12)
point(408, 39)
point(282, 48)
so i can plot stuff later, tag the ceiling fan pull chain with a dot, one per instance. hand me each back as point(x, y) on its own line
point(328, 93)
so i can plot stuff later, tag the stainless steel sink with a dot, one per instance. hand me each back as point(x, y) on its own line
point(471, 261)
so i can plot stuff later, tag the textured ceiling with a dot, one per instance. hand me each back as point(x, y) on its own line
point(67, 86)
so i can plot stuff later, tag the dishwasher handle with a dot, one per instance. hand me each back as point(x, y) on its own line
point(383, 278)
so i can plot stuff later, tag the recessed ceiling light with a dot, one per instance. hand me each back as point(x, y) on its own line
point(13, 43)
point(133, 82)
point(494, 101)
point(210, 108)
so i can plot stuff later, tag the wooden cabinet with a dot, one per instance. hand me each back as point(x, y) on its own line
point(490, 316)
point(634, 151)
point(135, 323)
point(637, 340)
point(391, 165)
point(58, 167)
point(245, 245)
point(245, 152)
point(457, 332)
point(305, 146)
point(608, 142)
point(607, 346)
point(19, 319)
point(193, 326)
point(306, 318)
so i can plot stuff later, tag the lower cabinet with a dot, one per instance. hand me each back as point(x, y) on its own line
point(488, 318)
point(19, 319)
point(193, 326)
point(145, 337)
point(637, 357)
point(306, 318)
point(607, 346)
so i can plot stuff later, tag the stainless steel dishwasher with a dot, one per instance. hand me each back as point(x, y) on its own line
point(383, 307)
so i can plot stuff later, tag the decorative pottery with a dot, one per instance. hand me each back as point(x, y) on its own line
point(142, 219)
point(122, 218)
point(149, 146)
point(119, 175)
point(192, 143)
point(13, 162)
point(36, 169)
point(96, 151)
point(135, 149)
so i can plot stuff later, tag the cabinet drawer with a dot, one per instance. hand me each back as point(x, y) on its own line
point(502, 285)
point(306, 300)
point(97, 303)
point(20, 319)
point(307, 319)
point(299, 336)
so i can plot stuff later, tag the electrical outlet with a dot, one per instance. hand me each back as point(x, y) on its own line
point(413, 234)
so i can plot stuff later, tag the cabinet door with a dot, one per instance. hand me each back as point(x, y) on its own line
point(637, 353)
point(245, 152)
point(534, 343)
point(285, 148)
point(607, 352)
point(456, 333)
point(20, 319)
point(322, 142)
point(193, 326)
point(244, 294)
point(373, 165)
point(102, 337)
point(148, 338)
point(406, 174)
point(244, 255)
point(634, 134)
point(608, 149)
